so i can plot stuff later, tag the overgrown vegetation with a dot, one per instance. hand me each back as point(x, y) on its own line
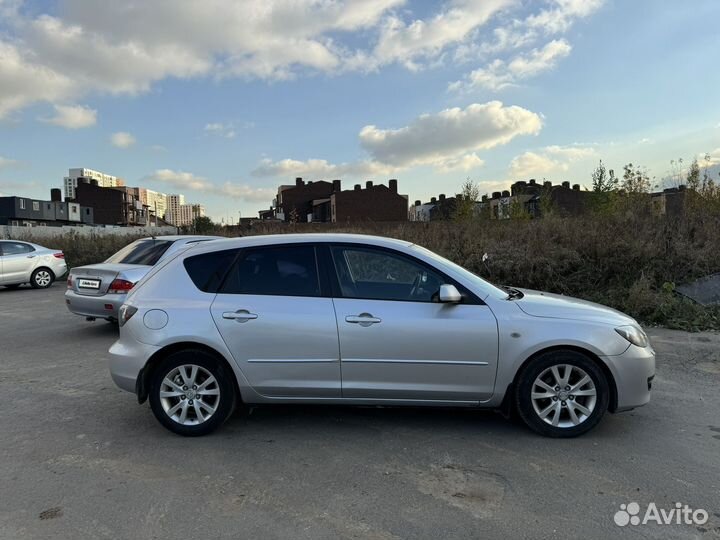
point(620, 253)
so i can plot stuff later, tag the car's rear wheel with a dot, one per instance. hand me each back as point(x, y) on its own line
point(191, 393)
point(562, 393)
point(42, 278)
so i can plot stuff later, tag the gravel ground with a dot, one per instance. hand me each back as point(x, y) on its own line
point(80, 459)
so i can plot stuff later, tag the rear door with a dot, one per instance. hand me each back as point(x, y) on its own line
point(278, 321)
point(18, 261)
point(397, 342)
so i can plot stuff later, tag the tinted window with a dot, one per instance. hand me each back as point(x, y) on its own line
point(208, 270)
point(382, 275)
point(280, 271)
point(15, 248)
point(141, 252)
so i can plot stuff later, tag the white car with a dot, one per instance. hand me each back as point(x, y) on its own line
point(24, 262)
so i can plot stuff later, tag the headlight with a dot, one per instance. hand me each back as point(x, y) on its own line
point(634, 335)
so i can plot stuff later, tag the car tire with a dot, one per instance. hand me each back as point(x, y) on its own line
point(182, 399)
point(562, 393)
point(42, 278)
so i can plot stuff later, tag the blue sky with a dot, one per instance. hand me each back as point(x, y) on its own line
point(224, 100)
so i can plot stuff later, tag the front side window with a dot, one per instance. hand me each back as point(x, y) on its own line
point(147, 252)
point(382, 275)
point(277, 270)
point(15, 248)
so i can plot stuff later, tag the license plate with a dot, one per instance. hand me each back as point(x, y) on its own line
point(89, 283)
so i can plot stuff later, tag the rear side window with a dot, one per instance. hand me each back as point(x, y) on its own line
point(278, 270)
point(146, 252)
point(15, 248)
point(208, 270)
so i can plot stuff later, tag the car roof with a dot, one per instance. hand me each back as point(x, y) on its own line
point(274, 239)
point(175, 237)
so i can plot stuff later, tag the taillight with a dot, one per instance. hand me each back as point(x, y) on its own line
point(125, 313)
point(60, 255)
point(69, 282)
point(120, 286)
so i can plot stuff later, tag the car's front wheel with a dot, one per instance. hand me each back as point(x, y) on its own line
point(41, 278)
point(562, 393)
point(191, 393)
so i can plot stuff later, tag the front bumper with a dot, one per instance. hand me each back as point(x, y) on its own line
point(633, 372)
point(127, 359)
point(101, 307)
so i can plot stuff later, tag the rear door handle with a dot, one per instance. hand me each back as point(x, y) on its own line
point(241, 315)
point(364, 319)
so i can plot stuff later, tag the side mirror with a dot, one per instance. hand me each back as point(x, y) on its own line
point(449, 294)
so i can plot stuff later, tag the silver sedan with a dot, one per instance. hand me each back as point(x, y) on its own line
point(25, 262)
point(352, 319)
point(98, 290)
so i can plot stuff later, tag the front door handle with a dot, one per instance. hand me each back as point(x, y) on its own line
point(241, 315)
point(364, 319)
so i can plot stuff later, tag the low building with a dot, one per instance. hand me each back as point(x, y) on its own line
point(323, 201)
point(670, 201)
point(374, 203)
point(27, 212)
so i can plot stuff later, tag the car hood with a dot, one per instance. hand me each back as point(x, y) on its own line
point(557, 306)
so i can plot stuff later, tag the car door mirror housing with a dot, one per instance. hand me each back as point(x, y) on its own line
point(449, 294)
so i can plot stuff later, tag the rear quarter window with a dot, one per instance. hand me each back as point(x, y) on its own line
point(208, 270)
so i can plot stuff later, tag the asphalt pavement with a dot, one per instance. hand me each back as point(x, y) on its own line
point(80, 458)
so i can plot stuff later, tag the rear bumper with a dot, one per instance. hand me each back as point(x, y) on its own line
point(633, 372)
point(102, 307)
point(127, 359)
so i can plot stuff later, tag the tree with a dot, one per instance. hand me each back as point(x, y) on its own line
point(465, 204)
point(635, 179)
point(203, 225)
point(693, 176)
point(604, 186)
point(603, 180)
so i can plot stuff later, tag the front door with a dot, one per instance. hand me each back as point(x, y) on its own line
point(398, 342)
point(277, 325)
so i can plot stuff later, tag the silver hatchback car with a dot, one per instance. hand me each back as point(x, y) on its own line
point(353, 319)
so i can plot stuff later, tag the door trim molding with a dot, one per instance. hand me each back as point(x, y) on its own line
point(291, 360)
point(403, 361)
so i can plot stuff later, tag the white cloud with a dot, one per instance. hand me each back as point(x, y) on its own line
point(181, 180)
point(500, 74)
point(448, 141)
point(442, 138)
point(72, 117)
point(122, 139)
point(319, 168)
point(709, 159)
point(7, 162)
point(220, 129)
point(548, 160)
point(82, 49)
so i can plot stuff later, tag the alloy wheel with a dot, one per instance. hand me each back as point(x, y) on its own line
point(43, 278)
point(189, 394)
point(564, 395)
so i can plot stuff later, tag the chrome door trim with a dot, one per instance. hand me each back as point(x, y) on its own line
point(291, 360)
point(404, 361)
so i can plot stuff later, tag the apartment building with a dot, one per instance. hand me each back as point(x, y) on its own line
point(70, 182)
point(27, 212)
point(182, 215)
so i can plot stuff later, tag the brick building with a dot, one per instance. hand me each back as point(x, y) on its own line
point(113, 205)
point(324, 201)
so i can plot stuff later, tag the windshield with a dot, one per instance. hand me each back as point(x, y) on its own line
point(146, 252)
point(483, 285)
